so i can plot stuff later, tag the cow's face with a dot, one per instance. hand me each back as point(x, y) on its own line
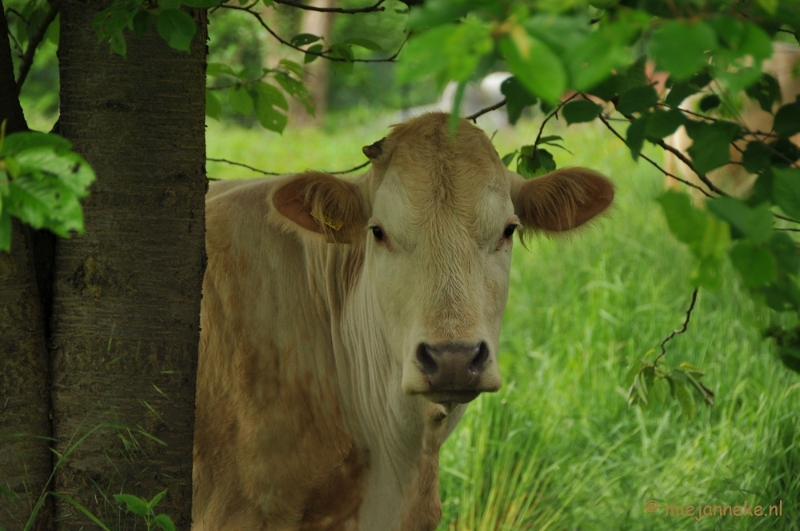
point(436, 218)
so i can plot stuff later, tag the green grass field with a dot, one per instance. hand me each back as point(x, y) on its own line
point(558, 447)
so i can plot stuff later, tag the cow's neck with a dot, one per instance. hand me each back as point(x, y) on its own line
point(402, 434)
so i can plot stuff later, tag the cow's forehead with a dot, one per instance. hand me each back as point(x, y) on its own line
point(439, 170)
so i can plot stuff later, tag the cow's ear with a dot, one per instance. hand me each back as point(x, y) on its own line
point(562, 200)
point(324, 204)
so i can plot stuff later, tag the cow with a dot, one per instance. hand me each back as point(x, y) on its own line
point(733, 178)
point(347, 323)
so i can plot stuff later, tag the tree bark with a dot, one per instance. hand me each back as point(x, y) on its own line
point(126, 298)
point(25, 458)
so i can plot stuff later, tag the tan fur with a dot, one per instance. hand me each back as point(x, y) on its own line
point(563, 200)
point(311, 411)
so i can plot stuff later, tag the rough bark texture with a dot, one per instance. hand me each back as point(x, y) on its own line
point(126, 298)
point(25, 461)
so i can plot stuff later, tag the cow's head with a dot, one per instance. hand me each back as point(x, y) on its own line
point(435, 217)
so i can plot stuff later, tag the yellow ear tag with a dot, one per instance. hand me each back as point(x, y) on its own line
point(335, 225)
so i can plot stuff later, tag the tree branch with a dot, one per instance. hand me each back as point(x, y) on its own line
point(474, 117)
point(554, 113)
point(651, 161)
point(323, 54)
point(679, 331)
point(34, 41)
point(264, 172)
point(370, 9)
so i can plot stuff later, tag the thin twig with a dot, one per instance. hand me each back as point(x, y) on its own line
point(324, 54)
point(370, 9)
point(364, 165)
point(679, 331)
point(34, 41)
point(264, 172)
point(17, 13)
point(788, 230)
point(554, 113)
point(651, 161)
point(234, 163)
point(474, 117)
point(785, 218)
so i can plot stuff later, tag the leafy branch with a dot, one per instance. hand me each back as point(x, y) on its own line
point(329, 54)
point(34, 41)
point(264, 172)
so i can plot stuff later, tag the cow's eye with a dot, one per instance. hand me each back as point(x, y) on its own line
point(509, 232)
point(378, 233)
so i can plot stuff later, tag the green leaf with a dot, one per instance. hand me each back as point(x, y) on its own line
point(786, 190)
point(134, 504)
point(594, 59)
point(164, 522)
point(754, 262)
point(534, 162)
point(116, 42)
point(782, 295)
point(157, 498)
point(766, 91)
point(297, 90)
point(661, 124)
point(517, 97)
point(312, 53)
point(292, 67)
point(756, 157)
point(535, 65)
point(709, 102)
point(142, 22)
point(711, 146)
point(680, 48)
point(423, 56)
point(213, 105)
point(219, 69)
point(240, 99)
point(685, 221)
point(509, 158)
point(637, 99)
point(364, 43)
point(577, 111)
point(302, 39)
point(784, 249)
point(465, 47)
point(16, 142)
point(755, 42)
point(176, 28)
point(5, 230)
point(754, 223)
point(96, 521)
point(787, 119)
point(54, 30)
point(635, 135)
point(270, 95)
point(681, 90)
point(683, 392)
point(659, 391)
point(270, 118)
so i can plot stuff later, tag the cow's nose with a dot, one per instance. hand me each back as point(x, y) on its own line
point(453, 366)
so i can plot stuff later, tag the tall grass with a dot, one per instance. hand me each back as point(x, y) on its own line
point(558, 448)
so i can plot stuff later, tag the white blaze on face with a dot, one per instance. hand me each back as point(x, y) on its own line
point(440, 261)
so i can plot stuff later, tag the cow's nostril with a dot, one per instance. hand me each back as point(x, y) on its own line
point(477, 364)
point(426, 362)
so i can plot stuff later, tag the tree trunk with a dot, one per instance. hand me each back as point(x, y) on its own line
point(126, 299)
point(316, 73)
point(25, 430)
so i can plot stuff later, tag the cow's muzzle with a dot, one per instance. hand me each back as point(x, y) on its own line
point(454, 370)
